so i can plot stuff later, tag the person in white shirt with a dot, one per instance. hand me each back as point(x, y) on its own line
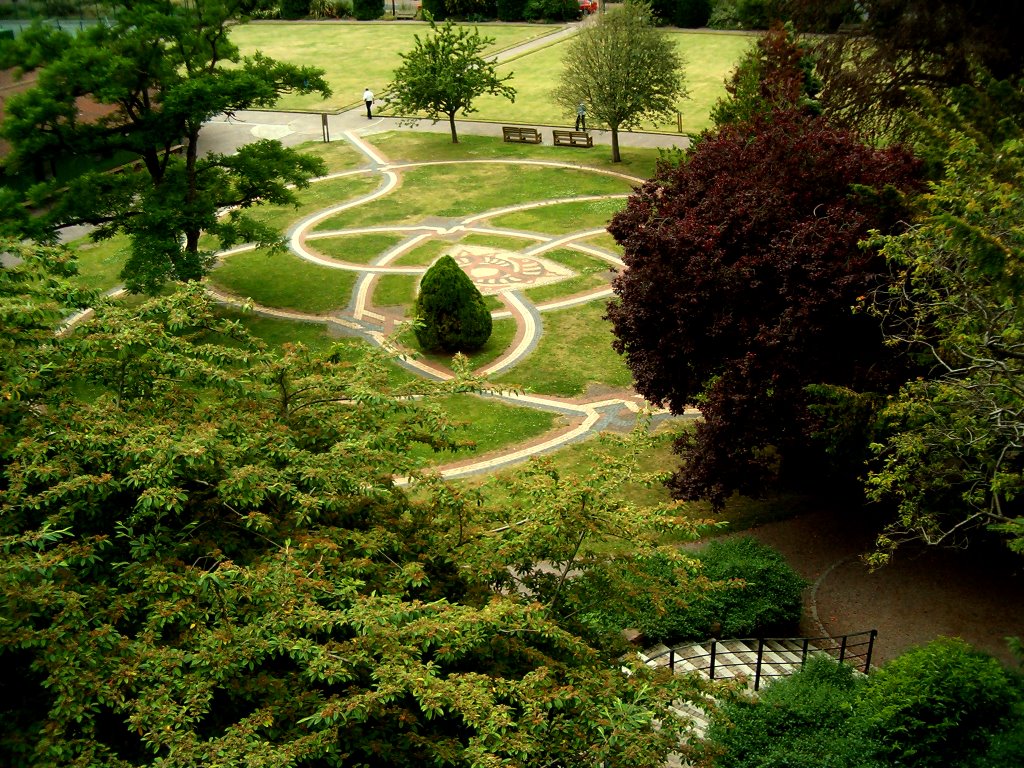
point(368, 98)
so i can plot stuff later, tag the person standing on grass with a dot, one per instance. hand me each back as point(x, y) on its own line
point(368, 98)
point(581, 117)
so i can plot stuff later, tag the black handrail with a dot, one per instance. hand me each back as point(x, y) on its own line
point(844, 644)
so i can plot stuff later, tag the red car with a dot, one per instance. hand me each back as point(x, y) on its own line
point(588, 6)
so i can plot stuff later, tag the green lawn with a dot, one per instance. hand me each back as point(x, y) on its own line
point(574, 352)
point(316, 197)
point(709, 60)
point(456, 191)
point(562, 218)
point(490, 424)
point(100, 264)
point(590, 272)
point(356, 249)
point(354, 56)
point(285, 281)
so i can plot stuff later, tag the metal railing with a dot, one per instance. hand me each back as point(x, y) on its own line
point(855, 649)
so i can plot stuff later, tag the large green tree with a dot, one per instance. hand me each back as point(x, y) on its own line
point(445, 73)
point(139, 89)
point(207, 562)
point(878, 52)
point(952, 458)
point(623, 69)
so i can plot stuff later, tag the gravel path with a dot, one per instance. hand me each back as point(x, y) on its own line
point(976, 594)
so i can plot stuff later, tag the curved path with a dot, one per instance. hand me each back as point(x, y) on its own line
point(505, 274)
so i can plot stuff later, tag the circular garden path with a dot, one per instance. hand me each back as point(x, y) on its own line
point(503, 273)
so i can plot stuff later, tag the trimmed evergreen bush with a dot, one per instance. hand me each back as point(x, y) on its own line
point(450, 311)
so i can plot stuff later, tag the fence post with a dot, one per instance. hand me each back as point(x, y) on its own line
point(757, 669)
point(842, 650)
point(711, 671)
point(672, 660)
point(871, 647)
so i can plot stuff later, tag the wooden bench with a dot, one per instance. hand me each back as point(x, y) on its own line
point(572, 139)
point(521, 135)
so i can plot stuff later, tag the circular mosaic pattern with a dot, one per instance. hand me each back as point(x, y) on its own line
point(493, 269)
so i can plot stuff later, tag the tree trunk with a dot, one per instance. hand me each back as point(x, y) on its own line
point(616, 158)
point(451, 122)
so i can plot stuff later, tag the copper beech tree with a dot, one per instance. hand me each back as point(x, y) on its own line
point(744, 267)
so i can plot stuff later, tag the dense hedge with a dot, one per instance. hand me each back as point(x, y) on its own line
point(940, 705)
point(655, 594)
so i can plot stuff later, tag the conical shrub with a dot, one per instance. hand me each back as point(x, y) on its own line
point(450, 310)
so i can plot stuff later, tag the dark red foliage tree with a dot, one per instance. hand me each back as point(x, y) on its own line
point(744, 266)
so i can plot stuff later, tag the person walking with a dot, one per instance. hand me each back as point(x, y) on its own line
point(368, 98)
point(581, 117)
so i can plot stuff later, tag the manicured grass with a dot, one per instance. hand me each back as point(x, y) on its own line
point(605, 241)
point(498, 241)
point(489, 423)
point(316, 197)
point(709, 58)
point(590, 272)
point(457, 190)
point(338, 154)
point(409, 146)
point(100, 264)
point(395, 290)
point(425, 254)
point(502, 333)
point(284, 280)
point(353, 55)
point(574, 352)
point(562, 218)
point(356, 249)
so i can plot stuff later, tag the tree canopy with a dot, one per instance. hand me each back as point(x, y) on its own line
point(149, 79)
point(878, 52)
point(624, 69)
point(445, 73)
point(207, 561)
point(951, 457)
point(743, 267)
